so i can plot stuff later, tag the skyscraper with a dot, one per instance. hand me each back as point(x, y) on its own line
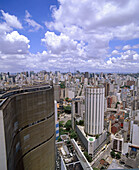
point(27, 129)
point(94, 109)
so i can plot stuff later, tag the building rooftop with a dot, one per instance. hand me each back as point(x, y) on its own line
point(6, 94)
point(94, 86)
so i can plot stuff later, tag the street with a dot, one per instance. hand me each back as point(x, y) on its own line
point(65, 118)
point(102, 155)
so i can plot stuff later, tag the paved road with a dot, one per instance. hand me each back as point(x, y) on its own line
point(115, 165)
point(65, 118)
point(103, 155)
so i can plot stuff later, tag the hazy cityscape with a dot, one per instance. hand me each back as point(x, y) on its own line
point(69, 84)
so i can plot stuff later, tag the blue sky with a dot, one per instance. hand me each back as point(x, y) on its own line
point(84, 35)
point(40, 12)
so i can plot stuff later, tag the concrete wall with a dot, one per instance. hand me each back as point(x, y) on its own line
point(3, 159)
point(97, 144)
point(92, 147)
point(29, 124)
point(63, 166)
point(85, 164)
point(57, 92)
point(135, 136)
point(82, 137)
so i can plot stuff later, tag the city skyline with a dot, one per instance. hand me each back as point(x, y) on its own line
point(98, 36)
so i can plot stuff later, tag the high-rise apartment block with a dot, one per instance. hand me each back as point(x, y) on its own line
point(94, 109)
point(27, 129)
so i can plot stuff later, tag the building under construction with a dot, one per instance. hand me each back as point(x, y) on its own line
point(27, 129)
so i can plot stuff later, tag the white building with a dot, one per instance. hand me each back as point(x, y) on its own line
point(117, 142)
point(94, 109)
point(78, 109)
point(135, 133)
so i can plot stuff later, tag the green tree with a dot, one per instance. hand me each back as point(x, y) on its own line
point(81, 122)
point(88, 157)
point(61, 123)
point(59, 139)
point(67, 99)
point(118, 156)
point(77, 123)
point(112, 154)
point(68, 125)
point(117, 104)
point(73, 135)
point(62, 85)
point(67, 109)
point(97, 136)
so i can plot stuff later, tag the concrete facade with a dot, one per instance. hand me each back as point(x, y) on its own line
point(57, 92)
point(94, 145)
point(29, 129)
point(94, 109)
point(135, 135)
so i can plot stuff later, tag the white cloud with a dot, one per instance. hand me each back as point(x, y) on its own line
point(11, 20)
point(135, 46)
point(115, 52)
point(126, 47)
point(35, 26)
point(95, 23)
point(63, 44)
point(15, 36)
point(128, 61)
point(136, 57)
point(4, 28)
point(14, 43)
point(85, 29)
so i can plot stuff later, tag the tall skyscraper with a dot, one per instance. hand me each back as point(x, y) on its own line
point(27, 129)
point(94, 109)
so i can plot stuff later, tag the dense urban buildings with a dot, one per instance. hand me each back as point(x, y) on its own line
point(27, 129)
point(96, 116)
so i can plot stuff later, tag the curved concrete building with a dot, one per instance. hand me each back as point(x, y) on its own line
point(27, 125)
point(94, 109)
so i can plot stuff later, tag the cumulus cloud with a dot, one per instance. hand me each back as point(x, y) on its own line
point(11, 20)
point(33, 24)
point(135, 46)
point(13, 46)
point(128, 61)
point(63, 44)
point(115, 52)
point(94, 23)
point(79, 36)
point(14, 43)
point(11, 42)
point(126, 47)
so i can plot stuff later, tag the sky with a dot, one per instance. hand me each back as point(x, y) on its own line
point(63, 35)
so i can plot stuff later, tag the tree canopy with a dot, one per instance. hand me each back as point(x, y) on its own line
point(68, 125)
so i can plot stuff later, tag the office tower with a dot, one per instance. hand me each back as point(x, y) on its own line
point(57, 92)
point(94, 109)
point(135, 132)
point(27, 129)
point(107, 89)
point(86, 75)
point(78, 109)
point(138, 82)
